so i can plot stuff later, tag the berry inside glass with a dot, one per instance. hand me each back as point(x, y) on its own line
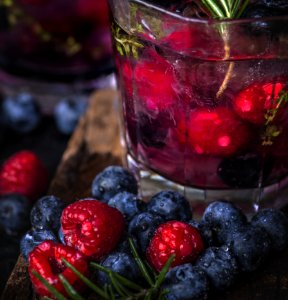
point(205, 101)
point(55, 40)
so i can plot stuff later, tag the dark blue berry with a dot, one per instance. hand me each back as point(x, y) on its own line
point(121, 263)
point(111, 181)
point(61, 236)
point(14, 214)
point(275, 223)
point(251, 246)
point(124, 244)
point(67, 114)
point(143, 227)
point(34, 238)
point(279, 4)
point(128, 204)
point(186, 282)
point(152, 132)
point(220, 266)
point(208, 235)
point(21, 113)
point(46, 213)
point(170, 205)
point(243, 171)
point(223, 218)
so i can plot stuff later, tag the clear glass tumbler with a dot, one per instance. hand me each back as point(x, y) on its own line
point(205, 103)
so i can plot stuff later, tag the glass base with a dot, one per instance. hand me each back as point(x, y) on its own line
point(249, 200)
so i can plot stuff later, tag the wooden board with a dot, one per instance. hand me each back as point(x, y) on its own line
point(95, 145)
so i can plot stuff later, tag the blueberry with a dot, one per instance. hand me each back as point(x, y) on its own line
point(244, 171)
point(170, 205)
point(128, 204)
point(33, 238)
point(121, 263)
point(111, 181)
point(61, 236)
point(208, 235)
point(275, 223)
point(46, 213)
point(186, 282)
point(220, 266)
point(152, 132)
point(21, 113)
point(223, 218)
point(251, 246)
point(260, 11)
point(143, 227)
point(67, 114)
point(124, 245)
point(14, 214)
point(278, 4)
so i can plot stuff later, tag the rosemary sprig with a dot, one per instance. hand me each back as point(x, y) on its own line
point(120, 288)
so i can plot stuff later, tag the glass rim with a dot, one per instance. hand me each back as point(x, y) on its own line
point(208, 21)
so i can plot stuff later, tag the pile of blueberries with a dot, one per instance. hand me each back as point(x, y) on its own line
point(233, 244)
point(22, 114)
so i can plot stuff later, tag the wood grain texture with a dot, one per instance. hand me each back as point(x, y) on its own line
point(95, 145)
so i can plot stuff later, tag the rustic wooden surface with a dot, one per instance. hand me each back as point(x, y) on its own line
point(95, 145)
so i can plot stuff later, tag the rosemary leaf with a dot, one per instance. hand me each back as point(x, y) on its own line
point(241, 10)
point(213, 8)
point(226, 8)
point(69, 289)
point(164, 271)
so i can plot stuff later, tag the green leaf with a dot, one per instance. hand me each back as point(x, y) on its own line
point(88, 282)
point(140, 264)
point(49, 287)
point(69, 289)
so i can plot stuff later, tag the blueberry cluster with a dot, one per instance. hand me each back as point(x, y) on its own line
point(45, 218)
point(233, 244)
point(22, 114)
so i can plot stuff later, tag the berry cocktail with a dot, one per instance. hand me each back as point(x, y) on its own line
point(205, 99)
point(54, 40)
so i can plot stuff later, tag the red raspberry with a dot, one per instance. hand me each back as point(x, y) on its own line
point(252, 103)
point(25, 174)
point(155, 81)
point(46, 260)
point(92, 227)
point(94, 11)
point(174, 237)
point(216, 132)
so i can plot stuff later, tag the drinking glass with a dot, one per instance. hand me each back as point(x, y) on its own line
point(204, 103)
point(53, 46)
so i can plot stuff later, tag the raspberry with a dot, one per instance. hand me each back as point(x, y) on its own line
point(23, 173)
point(46, 260)
point(215, 132)
point(93, 11)
point(252, 103)
point(92, 227)
point(155, 81)
point(177, 238)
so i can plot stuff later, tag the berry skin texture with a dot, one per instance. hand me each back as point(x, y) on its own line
point(186, 282)
point(92, 227)
point(223, 218)
point(128, 204)
point(14, 214)
point(220, 266)
point(275, 223)
point(46, 213)
point(45, 259)
point(21, 113)
point(33, 238)
point(121, 263)
point(177, 238)
point(142, 227)
point(252, 103)
point(111, 181)
point(67, 114)
point(216, 132)
point(25, 174)
point(170, 205)
point(251, 246)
